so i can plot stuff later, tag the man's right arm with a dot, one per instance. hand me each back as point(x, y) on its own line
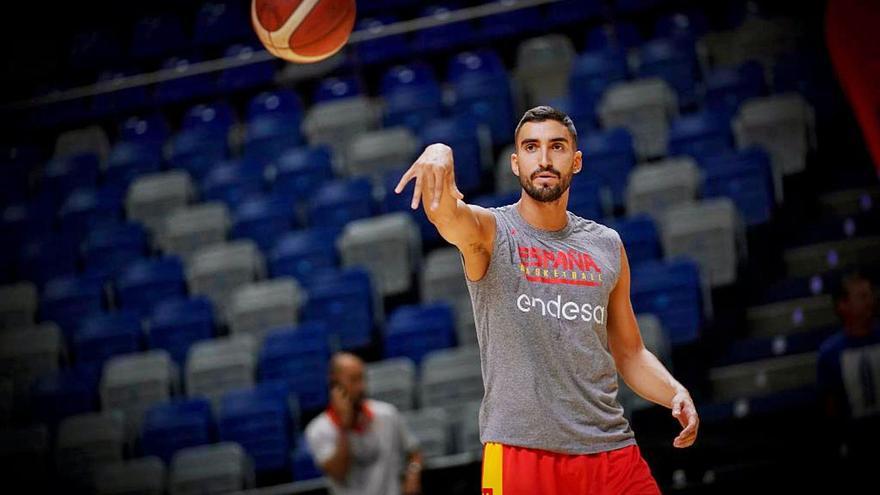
point(470, 228)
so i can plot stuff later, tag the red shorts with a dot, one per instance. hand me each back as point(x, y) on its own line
point(520, 471)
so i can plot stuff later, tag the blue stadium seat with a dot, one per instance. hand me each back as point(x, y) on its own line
point(248, 76)
point(303, 253)
point(148, 282)
point(67, 173)
point(269, 136)
point(259, 420)
point(670, 290)
point(301, 171)
point(461, 135)
point(19, 161)
point(640, 237)
point(122, 100)
point(185, 87)
point(299, 357)
point(233, 181)
point(151, 127)
point(571, 12)
point(216, 117)
point(93, 49)
point(281, 102)
point(412, 96)
point(157, 36)
point(88, 208)
point(130, 159)
point(381, 49)
point(264, 219)
point(482, 90)
point(67, 300)
point(635, 6)
point(178, 424)
point(699, 134)
point(100, 337)
point(48, 257)
point(26, 220)
point(585, 197)
point(338, 202)
point(115, 246)
point(687, 25)
point(67, 392)
point(619, 36)
point(673, 60)
point(338, 87)
point(176, 324)
point(221, 22)
point(727, 87)
point(746, 177)
point(414, 330)
point(497, 200)
point(344, 300)
point(393, 202)
point(197, 151)
point(508, 24)
point(591, 75)
point(442, 37)
point(302, 464)
point(609, 157)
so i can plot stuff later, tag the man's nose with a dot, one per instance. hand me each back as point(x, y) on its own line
point(545, 158)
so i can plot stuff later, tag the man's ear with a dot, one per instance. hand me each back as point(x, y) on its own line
point(578, 161)
point(514, 164)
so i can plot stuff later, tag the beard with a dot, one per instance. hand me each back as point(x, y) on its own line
point(544, 193)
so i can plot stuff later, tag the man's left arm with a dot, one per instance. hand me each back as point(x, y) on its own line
point(639, 368)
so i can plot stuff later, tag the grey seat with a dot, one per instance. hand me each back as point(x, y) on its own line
point(216, 271)
point(654, 187)
point(91, 139)
point(153, 197)
point(259, 307)
point(451, 377)
point(86, 442)
point(505, 180)
point(216, 366)
point(763, 377)
point(817, 258)
point(443, 279)
point(757, 38)
point(18, 305)
point(388, 246)
point(336, 123)
point(394, 381)
point(543, 65)
point(376, 152)
point(430, 426)
point(711, 232)
point(645, 108)
point(28, 353)
point(792, 316)
point(142, 475)
point(188, 229)
point(208, 469)
point(850, 201)
point(132, 383)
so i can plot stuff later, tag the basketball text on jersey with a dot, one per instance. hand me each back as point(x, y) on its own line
point(559, 267)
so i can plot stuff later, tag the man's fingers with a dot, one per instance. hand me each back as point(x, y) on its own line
point(437, 189)
point(407, 176)
point(428, 188)
point(417, 192)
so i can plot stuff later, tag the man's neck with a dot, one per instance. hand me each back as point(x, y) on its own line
point(544, 216)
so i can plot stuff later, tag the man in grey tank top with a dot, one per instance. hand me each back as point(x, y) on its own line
point(555, 325)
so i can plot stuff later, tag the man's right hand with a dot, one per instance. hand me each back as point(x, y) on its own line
point(432, 171)
point(341, 403)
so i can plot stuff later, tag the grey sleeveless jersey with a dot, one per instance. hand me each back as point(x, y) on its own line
point(541, 312)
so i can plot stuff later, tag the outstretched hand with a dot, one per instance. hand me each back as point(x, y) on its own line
point(433, 172)
point(685, 412)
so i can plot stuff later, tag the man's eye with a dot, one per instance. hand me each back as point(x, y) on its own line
point(558, 147)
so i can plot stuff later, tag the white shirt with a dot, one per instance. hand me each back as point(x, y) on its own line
point(377, 453)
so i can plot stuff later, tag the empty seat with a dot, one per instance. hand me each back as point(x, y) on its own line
point(89, 139)
point(543, 65)
point(233, 181)
point(218, 23)
point(263, 219)
point(267, 136)
point(65, 393)
point(336, 123)
point(412, 95)
point(114, 247)
point(218, 468)
point(727, 87)
point(482, 90)
point(216, 271)
point(393, 381)
point(214, 367)
point(131, 159)
point(710, 232)
point(187, 230)
point(389, 246)
point(384, 47)
point(64, 174)
point(782, 124)
point(443, 279)
point(299, 357)
point(299, 172)
point(259, 307)
point(585, 199)
point(251, 74)
point(640, 237)
point(101, 337)
point(85, 443)
point(644, 107)
point(610, 156)
point(67, 300)
point(430, 426)
point(505, 180)
point(673, 60)
point(134, 382)
point(149, 281)
point(763, 377)
point(152, 197)
point(414, 331)
point(618, 36)
point(144, 475)
point(817, 258)
point(746, 177)
point(654, 187)
point(190, 83)
point(48, 257)
point(444, 35)
point(176, 324)
point(258, 419)
point(338, 87)
point(29, 353)
point(150, 127)
point(339, 202)
point(196, 150)
point(700, 134)
point(672, 292)
point(172, 426)
point(280, 103)
point(154, 36)
point(303, 253)
point(18, 305)
point(451, 377)
point(373, 153)
point(786, 317)
point(348, 303)
point(592, 73)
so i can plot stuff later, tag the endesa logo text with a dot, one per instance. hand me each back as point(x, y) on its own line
point(559, 267)
point(556, 308)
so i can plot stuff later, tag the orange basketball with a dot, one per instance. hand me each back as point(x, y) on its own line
point(303, 31)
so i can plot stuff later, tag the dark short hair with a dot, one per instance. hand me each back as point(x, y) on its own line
point(840, 285)
point(543, 113)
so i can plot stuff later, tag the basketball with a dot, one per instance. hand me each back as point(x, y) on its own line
point(303, 31)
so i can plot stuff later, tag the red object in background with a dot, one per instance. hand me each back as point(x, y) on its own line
point(303, 31)
point(852, 32)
